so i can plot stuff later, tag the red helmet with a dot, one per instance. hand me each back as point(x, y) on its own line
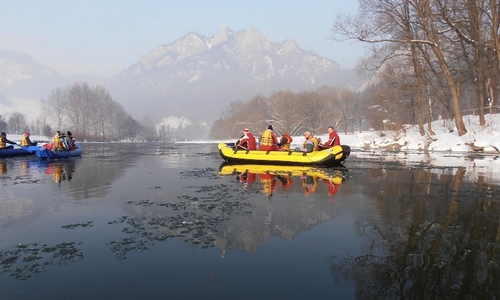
point(27, 133)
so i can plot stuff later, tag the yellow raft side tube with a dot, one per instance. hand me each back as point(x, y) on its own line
point(325, 157)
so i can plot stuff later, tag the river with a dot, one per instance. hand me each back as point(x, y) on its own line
point(171, 221)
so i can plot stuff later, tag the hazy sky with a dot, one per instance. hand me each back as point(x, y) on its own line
point(103, 37)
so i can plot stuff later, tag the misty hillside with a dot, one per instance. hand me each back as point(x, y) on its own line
point(194, 77)
point(22, 77)
point(197, 77)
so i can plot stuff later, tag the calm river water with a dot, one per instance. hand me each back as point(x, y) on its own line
point(170, 221)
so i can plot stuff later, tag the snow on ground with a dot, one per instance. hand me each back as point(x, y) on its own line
point(446, 138)
point(446, 148)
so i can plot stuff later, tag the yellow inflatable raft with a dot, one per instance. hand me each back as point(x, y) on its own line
point(328, 157)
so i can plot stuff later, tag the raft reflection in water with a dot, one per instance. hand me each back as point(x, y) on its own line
point(59, 170)
point(270, 176)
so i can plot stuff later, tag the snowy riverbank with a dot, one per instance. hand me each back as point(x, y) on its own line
point(446, 139)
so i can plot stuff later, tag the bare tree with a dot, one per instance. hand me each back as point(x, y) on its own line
point(380, 22)
point(286, 115)
point(54, 108)
point(346, 107)
point(103, 106)
point(17, 123)
point(80, 100)
point(90, 112)
point(334, 116)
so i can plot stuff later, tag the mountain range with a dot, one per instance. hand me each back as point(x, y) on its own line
point(194, 77)
point(22, 77)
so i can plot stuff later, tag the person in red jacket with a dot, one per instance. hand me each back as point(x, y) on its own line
point(333, 139)
point(247, 141)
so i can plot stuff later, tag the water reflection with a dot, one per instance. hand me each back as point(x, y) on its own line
point(270, 175)
point(437, 237)
point(380, 229)
point(60, 170)
point(3, 167)
point(216, 214)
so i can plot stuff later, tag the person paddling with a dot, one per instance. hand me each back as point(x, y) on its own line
point(4, 141)
point(247, 141)
point(26, 141)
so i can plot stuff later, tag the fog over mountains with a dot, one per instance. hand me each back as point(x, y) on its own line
point(194, 77)
point(22, 77)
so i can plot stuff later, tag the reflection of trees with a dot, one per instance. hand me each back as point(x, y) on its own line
point(225, 215)
point(194, 220)
point(100, 166)
point(76, 178)
point(438, 240)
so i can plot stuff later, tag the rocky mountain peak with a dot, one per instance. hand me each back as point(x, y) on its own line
point(189, 46)
point(253, 39)
point(221, 36)
point(288, 47)
point(197, 77)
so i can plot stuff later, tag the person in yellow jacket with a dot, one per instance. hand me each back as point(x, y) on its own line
point(268, 140)
point(310, 144)
point(4, 141)
point(310, 137)
point(316, 142)
point(26, 141)
point(57, 141)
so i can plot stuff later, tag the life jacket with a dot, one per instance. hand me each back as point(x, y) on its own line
point(24, 141)
point(2, 143)
point(286, 146)
point(316, 143)
point(57, 141)
point(60, 142)
point(267, 138)
point(305, 144)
